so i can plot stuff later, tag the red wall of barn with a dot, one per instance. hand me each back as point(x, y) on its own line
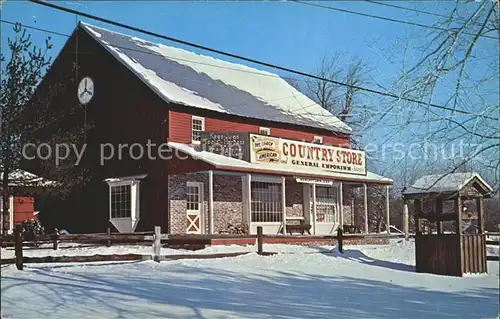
point(180, 129)
point(24, 208)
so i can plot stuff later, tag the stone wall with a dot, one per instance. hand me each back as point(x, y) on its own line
point(293, 198)
point(228, 208)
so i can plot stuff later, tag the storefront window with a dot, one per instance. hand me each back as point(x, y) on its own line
point(266, 202)
point(326, 204)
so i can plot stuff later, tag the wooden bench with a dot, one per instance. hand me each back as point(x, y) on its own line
point(299, 228)
point(351, 229)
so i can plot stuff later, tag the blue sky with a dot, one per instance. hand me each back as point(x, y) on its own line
point(293, 35)
point(289, 34)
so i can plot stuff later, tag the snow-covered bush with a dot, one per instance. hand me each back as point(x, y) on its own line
point(238, 229)
point(31, 228)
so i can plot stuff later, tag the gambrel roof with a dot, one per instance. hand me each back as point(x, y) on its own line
point(186, 78)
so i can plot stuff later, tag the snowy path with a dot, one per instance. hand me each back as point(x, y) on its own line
point(365, 282)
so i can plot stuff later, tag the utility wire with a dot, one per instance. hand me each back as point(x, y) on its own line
point(35, 28)
point(216, 66)
point(391, 95)
point(383, 18)
point(406, 8)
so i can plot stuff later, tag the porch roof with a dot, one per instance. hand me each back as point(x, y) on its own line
point(225, 163)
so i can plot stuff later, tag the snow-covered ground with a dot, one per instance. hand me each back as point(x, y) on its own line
point(369, 281)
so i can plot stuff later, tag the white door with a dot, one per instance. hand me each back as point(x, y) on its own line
point(194, 204)
point(327, 209)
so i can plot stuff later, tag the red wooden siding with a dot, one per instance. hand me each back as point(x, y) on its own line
point(180, 129)
point(24, 208)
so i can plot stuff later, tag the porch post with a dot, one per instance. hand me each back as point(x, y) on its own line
point(366, 207)
point(11, 214)
point(341, 202)
point(247, 201)
point(211, 202)
point(458, 212)
point(388, 215)
point(314, 207)
point(480, 214)
point(283, 203)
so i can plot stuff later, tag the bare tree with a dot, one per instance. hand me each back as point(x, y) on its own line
point(341, 100)
point(458, 70)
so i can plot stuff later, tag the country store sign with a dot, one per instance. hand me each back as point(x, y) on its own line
point(267, 149)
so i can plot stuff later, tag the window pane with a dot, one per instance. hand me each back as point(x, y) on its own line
point(192, 198)
point(266, 202)
point(121, 201)
point(196, 128)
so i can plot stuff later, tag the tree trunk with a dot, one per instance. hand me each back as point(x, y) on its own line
point(5, 199)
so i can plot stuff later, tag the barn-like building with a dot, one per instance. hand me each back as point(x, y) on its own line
point(222, 143)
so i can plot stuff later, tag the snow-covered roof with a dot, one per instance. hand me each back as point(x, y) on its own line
point(183, 77)
point(438, 183)
point(23, 178)
point(125, 178)
point(228, 163)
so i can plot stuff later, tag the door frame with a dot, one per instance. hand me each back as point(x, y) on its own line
point(309, 212)
point(201, 217)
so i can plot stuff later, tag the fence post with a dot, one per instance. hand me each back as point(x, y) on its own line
point(108, 244)
point(55, 238)
point(259, 240)
point(340, 240)
point(157, 244)
point(405, 222)
point(19, 246)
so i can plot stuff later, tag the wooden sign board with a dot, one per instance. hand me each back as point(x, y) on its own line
point(235, 145)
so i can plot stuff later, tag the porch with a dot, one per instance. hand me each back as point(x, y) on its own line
point(206, 201)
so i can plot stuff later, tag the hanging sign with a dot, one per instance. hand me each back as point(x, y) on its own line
point(268, 149)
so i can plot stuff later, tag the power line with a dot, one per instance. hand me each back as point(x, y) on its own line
point(118, 24)
point(213, 65)
point(406, 8)
point(35, 28)
point(302, 108)
point(162, 55)
point(195, 62)
point(382, 18)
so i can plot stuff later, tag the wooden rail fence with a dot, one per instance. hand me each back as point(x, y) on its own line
point(155, 240)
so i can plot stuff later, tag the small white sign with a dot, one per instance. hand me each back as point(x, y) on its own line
point(313, 181)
